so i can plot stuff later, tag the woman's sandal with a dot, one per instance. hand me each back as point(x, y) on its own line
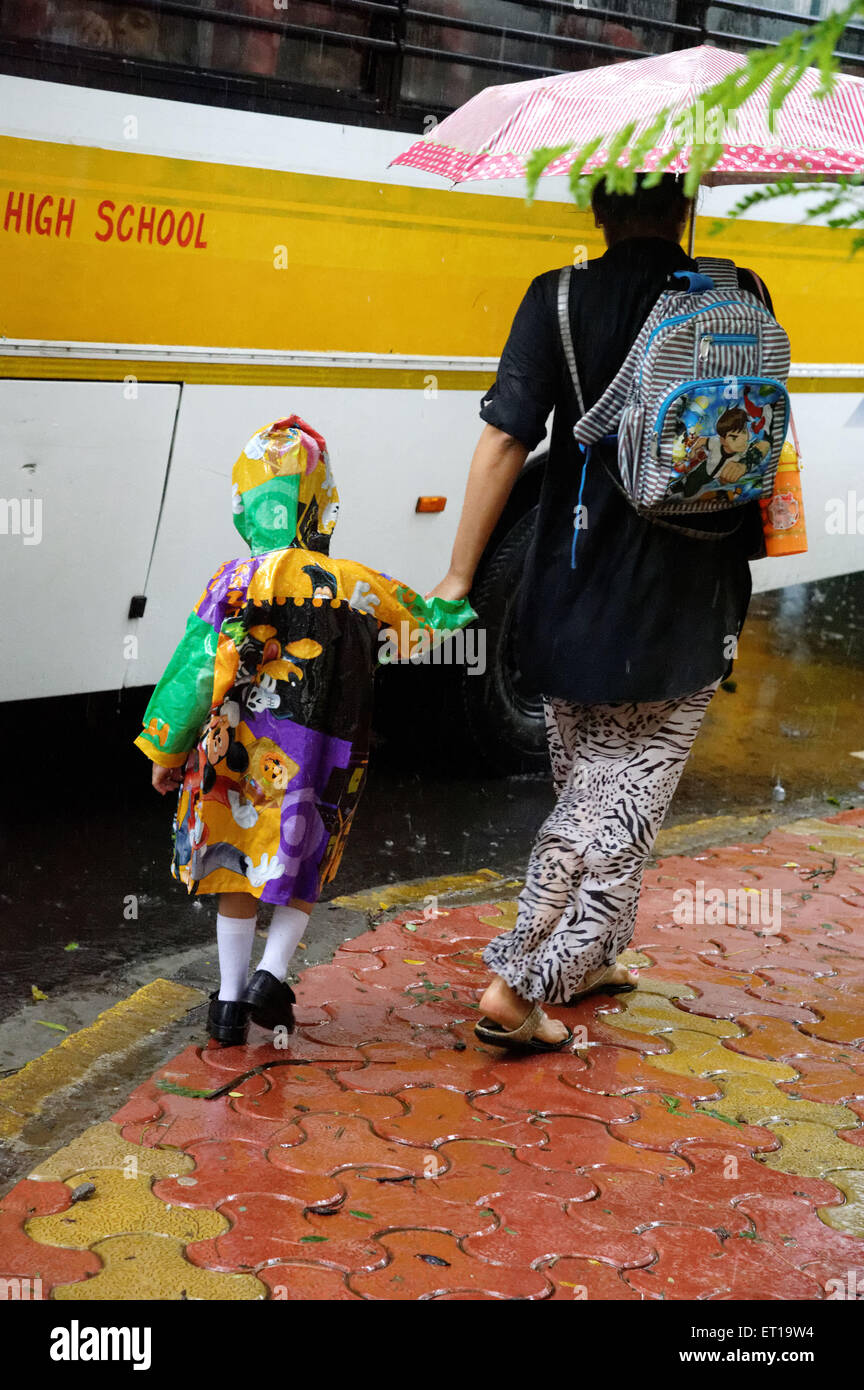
point(604, 986)
point(521, 1038)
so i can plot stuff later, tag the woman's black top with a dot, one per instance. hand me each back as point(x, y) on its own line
point(644, 614)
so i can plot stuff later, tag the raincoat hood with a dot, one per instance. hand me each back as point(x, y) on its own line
point(283, 492)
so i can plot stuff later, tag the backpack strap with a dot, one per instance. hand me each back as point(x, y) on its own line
point(724, 273)
point(566, 335)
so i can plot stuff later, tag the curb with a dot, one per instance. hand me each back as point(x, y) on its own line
point(114, 1032)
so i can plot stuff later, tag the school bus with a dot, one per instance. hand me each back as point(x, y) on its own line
point(201, 232)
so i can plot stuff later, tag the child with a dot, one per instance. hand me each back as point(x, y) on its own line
point(262, 716)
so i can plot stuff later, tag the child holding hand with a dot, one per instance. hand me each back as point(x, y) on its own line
point(262, 717)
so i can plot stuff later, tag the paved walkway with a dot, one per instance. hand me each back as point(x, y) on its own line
point(704, 1141)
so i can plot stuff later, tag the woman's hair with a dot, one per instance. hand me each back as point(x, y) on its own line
point(664, 202)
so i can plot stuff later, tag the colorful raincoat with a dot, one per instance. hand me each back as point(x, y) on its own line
point(267, 700)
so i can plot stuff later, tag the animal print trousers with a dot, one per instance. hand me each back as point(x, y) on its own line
point(615, 769)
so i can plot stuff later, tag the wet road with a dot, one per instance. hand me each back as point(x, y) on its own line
point(84, 833)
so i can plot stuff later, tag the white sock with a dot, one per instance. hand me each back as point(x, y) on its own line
point(235, 937)
point(286, 929)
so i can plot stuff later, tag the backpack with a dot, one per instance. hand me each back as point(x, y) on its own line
point(699, 408)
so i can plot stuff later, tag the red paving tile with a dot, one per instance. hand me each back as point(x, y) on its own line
point(265, 1229)
point(660, 1124)
point(795, 1231)
point(725, 1174)
point(426, 1264)
point(693, 1263)
point(436, 1115)
point(588, 1280)
point(22, 1258)
point(649, 1199)
point(386, 1154)
point(422, 1202)
point(467, 1071)
point(535, 1228)
point(578, 1144)
point(328, 1144)
point(304, 1282)
point(539, 1091)
point(478, 1170)
point(225, 1169)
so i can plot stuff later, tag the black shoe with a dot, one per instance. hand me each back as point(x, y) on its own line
point(269, 1001)
point(228, 1021)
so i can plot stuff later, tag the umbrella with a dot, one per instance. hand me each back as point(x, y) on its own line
point(493, 134)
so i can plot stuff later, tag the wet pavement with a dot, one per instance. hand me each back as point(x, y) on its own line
point(700, 1138)
point(86, 841)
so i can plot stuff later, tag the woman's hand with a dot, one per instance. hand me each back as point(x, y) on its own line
point(451, 587)
point(166, 779)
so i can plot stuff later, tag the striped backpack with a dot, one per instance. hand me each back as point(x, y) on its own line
point(700, 407)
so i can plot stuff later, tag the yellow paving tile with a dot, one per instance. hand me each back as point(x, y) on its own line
point(811, 1150)
point(502, 921)
point(636, 959)
point(848, 1218)
point(103, 1146)
point(758, 1101)
point(154, 1267)
point(833, 839)
point(121, 1206)
point(698, 1054)
point(647, 1012)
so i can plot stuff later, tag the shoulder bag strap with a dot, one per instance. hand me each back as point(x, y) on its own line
point(570, 355)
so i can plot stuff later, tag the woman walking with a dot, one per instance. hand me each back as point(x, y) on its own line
point(626, 634)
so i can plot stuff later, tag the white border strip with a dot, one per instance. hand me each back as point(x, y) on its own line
point(145, 352)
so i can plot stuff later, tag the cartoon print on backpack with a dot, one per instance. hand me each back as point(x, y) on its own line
point(720, 447)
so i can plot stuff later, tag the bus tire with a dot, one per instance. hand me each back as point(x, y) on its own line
point(504, 719)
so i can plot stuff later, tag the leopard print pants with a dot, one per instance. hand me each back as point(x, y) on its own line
point(615, 769)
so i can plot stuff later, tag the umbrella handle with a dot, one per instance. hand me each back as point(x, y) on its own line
point(691, 228)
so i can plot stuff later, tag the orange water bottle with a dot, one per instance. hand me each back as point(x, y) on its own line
point(783, 515)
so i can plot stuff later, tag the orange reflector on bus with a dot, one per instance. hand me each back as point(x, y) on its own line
point(430, 504)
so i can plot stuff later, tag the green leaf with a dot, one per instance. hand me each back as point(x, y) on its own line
point(58, 1026)
point(717, 1115)
point(537, 164)
point(175, 1090)
point(312, 1240)
point(364, 1215)
point(73, 946)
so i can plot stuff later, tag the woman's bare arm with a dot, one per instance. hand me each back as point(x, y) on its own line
point(496, 465)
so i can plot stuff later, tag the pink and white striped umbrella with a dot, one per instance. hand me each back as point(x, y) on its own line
point(491, 136)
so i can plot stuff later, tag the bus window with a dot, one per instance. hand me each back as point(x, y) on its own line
point(751, 26)
point(507, 37)
point(376, 60)
point(314, 61)
point(127, 30)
